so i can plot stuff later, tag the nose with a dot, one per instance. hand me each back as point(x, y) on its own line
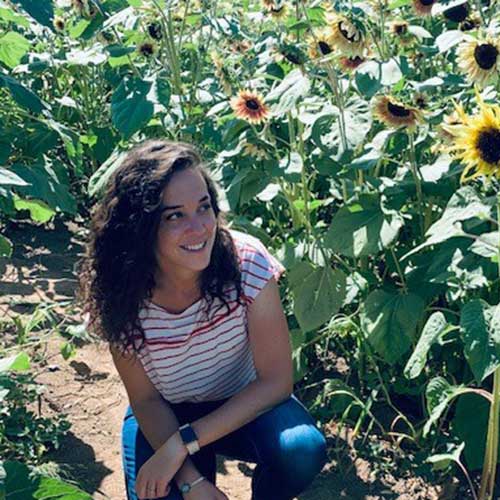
point(196, 225)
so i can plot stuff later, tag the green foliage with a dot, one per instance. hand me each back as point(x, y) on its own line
point(24, 435)
point(390, 321)
point(21, 484)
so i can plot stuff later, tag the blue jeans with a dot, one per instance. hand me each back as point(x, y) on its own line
point(284, 443)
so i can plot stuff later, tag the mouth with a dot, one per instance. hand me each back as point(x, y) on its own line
point(194, 248)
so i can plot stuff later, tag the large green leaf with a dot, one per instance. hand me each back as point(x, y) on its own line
point(294, 87)
point(102, 175)
point(45, 185)
point(319, 297)
point(17, 363)
point(372, 75)
point(465, 204)
point(21, 485)
point(434, 329)
point(361, 228)
point(22, 95)
point(440, 393)
point(470, 424)
point(42, 11)
point(5, 247)
point(13, 46)
point(480, 325)
point(83, 57)
point(326, 131)
point(390, 320)
point(10, 178)
point(8, 15)
point(39, 211)
point(131, 106)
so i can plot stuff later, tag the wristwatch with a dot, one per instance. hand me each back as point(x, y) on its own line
point(189, 438)
point(185, 487)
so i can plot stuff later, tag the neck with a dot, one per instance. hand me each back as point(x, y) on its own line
point(181, 283)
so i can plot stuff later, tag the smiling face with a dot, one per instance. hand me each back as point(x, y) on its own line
point(187, 228)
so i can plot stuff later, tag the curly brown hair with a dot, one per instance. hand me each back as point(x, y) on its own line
point(116, 275)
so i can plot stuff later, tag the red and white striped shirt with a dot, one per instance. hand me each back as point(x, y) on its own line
point(190, 357)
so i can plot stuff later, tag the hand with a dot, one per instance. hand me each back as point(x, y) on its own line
point(205, 491)
point(155, 475)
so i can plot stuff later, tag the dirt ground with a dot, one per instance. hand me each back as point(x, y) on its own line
point(88, 390)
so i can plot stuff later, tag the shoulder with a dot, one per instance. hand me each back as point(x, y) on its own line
point(258, 265)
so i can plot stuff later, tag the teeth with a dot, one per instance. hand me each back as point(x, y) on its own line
point(195, 247)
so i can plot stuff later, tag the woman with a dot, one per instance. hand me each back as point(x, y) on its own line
point(193, 317)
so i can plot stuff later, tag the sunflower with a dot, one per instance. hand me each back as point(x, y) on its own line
point(255, 151)
point(268, 3)
point(59, 23)
point(423, 7)
point(458, 13)
point(85, 8)
point(154, 30)
point(249, 106)
point(476, 142)
point(400, 29)
point(480, 60)
point(394, 113)
point(147, 49)
point(240, 46)
point(319, 45)
point(472, 22)
point(447, 129)
point(278, 11)
point(351, 63)
point(420, 100)
point(346, 35)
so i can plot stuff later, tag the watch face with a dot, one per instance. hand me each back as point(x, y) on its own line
point(185, 488)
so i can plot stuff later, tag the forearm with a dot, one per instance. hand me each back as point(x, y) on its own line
point(256, 398)
point(158, 422)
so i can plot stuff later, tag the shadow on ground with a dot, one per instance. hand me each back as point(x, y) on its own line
point(78, 461)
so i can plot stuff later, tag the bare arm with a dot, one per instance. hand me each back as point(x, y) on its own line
point(154, 416)
point(269, 339)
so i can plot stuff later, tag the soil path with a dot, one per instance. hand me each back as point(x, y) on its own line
point(88, 390)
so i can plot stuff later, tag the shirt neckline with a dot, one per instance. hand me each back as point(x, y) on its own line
point(176, 315)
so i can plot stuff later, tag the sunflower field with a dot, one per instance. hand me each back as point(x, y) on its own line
point(359, 140)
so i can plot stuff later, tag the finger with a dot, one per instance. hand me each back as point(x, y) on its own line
point(162, 490)
point(151, 490)
point(140, 489)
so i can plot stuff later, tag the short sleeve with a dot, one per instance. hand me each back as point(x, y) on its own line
point(258, 265)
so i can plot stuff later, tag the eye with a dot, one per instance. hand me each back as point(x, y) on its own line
point(206, 206)
point(173, 216)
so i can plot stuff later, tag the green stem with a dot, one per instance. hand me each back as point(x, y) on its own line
point(418, 183)
point(491, 453)
point(334, 83)
point(398, 267)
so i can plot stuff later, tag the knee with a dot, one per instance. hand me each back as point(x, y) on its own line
point(303, 453)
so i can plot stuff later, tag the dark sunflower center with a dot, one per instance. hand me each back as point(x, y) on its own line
point(324, 48)
point(252, 104)
point(401, 29)
point(486, 55)
point(397, 110)
point(458, 13)
point(488, 144)
point(146, 49)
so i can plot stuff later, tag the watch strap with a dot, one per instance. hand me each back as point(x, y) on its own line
point(189, 438)
point(186, 487)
